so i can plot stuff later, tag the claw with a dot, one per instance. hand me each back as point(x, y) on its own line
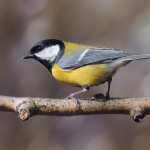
point(73, 94)
point(73, 98)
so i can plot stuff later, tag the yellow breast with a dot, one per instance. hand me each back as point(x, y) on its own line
point(91, 75)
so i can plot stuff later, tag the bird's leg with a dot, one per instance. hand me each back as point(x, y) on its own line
point(85, 88)
point(107, 93)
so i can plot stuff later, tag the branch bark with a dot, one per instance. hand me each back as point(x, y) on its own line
point(27, 107)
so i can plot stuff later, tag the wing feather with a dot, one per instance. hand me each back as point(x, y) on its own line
point(90, 56)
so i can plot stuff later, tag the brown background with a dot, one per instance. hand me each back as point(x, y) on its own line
point(121, 24)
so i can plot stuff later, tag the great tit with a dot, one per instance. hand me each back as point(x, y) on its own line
point(81, 65)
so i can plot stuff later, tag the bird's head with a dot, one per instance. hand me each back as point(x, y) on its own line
point(47, 52)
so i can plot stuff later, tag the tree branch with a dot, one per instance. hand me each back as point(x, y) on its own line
point(26, 107)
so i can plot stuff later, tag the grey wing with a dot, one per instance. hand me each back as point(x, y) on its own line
point(90, 56)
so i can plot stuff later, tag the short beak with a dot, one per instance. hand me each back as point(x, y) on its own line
point(27, 56)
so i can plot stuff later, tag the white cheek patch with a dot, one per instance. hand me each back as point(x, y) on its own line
point(49, 53)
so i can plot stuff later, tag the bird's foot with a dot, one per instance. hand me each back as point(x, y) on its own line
point(107, 96)
point(73, 98)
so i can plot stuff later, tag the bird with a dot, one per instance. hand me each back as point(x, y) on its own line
point(81, 65)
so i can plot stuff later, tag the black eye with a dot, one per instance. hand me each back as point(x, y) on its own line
point(39, 48)
point(36, 49)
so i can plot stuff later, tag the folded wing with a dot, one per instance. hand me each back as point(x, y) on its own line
point(95, 55)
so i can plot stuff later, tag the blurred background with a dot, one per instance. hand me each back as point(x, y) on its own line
point(120, 24)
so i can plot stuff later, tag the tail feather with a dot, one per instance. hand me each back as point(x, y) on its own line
point(127, 59)
point(135, 57)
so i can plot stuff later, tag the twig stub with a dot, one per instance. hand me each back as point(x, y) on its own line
point(138, 113)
